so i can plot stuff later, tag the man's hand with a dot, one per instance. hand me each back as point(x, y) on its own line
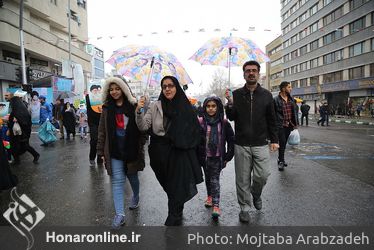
point(228, 96)
point(274, 147)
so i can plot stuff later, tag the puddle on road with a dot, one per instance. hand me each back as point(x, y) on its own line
point(311, 148)
point(324, 151)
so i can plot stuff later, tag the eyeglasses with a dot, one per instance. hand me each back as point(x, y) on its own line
point(168, 86)
point(247, 71)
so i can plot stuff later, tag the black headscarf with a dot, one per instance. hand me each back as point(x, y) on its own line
point(183, 125)
point(213, 121)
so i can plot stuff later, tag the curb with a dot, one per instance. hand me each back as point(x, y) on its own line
point(353, 122)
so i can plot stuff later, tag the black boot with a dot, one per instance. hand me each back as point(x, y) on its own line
point(175, 215)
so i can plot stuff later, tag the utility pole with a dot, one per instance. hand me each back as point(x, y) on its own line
point(69, 16)
point(24, 79)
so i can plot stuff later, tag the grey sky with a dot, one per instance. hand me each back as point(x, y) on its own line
point(115, 18)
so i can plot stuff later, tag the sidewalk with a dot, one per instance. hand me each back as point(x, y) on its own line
point(348, 120)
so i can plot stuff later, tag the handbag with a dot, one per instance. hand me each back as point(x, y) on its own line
point(294, 138)
point(17, 129)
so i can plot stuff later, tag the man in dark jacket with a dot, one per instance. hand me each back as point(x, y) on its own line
point(252, 109)
point(304, 113)
point(93, 124)
point(286, 117)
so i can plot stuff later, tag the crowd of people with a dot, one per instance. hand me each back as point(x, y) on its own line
point(186, 146)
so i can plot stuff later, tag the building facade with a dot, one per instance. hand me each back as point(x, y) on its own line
point(97, 62)
point(328, 51)
point(45, 31)
point(274, 68)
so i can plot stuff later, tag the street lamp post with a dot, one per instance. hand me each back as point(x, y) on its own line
point(22, 47)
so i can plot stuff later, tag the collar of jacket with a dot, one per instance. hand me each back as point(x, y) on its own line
point(288, 95)
point(245, 90)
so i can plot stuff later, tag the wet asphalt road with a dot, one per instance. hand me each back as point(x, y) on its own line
point(329, 181)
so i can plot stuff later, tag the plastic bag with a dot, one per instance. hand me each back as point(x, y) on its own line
point(294, 138)
point(17, 129)
point(47, 132)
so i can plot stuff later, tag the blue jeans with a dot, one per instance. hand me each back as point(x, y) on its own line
point(118, 185)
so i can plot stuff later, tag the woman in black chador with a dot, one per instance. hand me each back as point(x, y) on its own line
point(20, 142)
point(172, 150)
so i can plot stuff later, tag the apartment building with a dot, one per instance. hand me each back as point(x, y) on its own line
point(274, 68)
point(328, 51)
point(46, 40)
point(97, 62)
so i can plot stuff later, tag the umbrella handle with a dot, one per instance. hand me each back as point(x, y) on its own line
point(148, 81)
point(229, 63)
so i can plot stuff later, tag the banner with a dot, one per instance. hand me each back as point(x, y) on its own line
point(95, 95)
point(4, 109)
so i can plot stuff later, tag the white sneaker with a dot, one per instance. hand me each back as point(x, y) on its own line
point(92, 163)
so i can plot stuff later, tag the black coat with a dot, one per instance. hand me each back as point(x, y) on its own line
point(7, 179)
point(254, 117)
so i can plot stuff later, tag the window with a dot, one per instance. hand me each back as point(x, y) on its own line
point(372, 70)
point(295, 69)
point(314, 80)
point(99, 64)
point(314, 63)
point(356, 49)
point(285, 2)
point(303, 82)
point(326, 2)
point(276, 75)
point(333, 77)
point(313, 27)
point(286, 71)
point(332, 16)
point(286, 58)
point(275, 50)
point(294, 84)
point(293, 8)
point(314, 45)
point(313, 10)
point(303, 33)
point(303, 17)
point(327, 59)
point(276, 62)
point(372, 44)
point(357, 25)
point(303, 50)
point(294, 23)
point(294, 54)
point(353, 4)
point(99, 73)
point(54, 2)
point(304, 66)
point(287, 43)
point(294, 39)
point(81, 3)
point(34, 61)
point(335, 35)
point(333, 57)
point(357, 72)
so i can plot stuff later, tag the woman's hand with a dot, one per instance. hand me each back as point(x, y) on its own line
point(141, 104)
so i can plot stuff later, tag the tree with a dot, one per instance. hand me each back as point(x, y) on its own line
point(219, 84)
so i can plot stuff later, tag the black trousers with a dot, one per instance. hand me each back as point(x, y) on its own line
point(21, 148)
point(283, 135)
point(306, 119)
point(94, 129)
